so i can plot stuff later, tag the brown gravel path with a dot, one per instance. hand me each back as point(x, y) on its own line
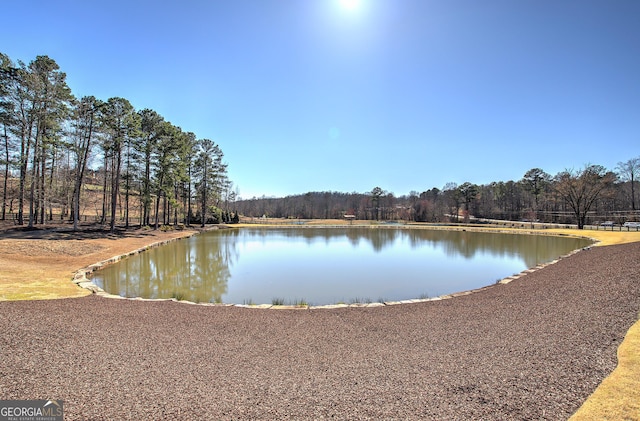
point(532, 349)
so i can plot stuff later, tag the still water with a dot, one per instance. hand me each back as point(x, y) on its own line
point(327, 265)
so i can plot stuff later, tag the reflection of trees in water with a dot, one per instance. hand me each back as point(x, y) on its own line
point(198, 269)
point(379, 238)
point(533, 249)
point(209, 269)
point(468, 244)
point(195, 269)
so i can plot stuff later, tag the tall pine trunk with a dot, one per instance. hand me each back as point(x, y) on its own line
point(104, 190)
point(115, 177)
point(82, 165)
point(25, 149)
point(35, 167)
point(204, 195)
point(50, 187)
point(158, 196)
point(41, 190)
point(6, 172)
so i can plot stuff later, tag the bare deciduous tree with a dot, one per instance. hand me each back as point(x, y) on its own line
point(580, 189)
point(629, 171)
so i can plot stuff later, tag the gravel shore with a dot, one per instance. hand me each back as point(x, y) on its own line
point(535, 348)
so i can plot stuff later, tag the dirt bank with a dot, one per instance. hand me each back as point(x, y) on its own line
point(40, 263)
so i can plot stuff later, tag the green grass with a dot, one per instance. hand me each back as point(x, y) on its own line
point(178, 296)
point(359, 300)
point(279, 301)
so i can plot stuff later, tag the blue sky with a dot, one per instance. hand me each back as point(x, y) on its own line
point(312, 95)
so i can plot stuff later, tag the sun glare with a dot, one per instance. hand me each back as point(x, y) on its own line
point(350, 5)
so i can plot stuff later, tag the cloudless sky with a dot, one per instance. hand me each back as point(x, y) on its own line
point(332, 95)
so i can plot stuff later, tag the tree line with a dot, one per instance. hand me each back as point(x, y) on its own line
point(589, 195)
point(64, 157)
point(72, 156)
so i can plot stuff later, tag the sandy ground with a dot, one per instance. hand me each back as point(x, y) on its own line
point(39, 264)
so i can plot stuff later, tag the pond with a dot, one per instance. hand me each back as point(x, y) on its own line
point(319, 266)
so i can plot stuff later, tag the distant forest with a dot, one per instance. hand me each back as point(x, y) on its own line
point(586, 196)
point(145, 170)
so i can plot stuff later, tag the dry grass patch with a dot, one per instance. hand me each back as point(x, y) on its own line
point(606, 238)
point(618, 396)
point(40, 290)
